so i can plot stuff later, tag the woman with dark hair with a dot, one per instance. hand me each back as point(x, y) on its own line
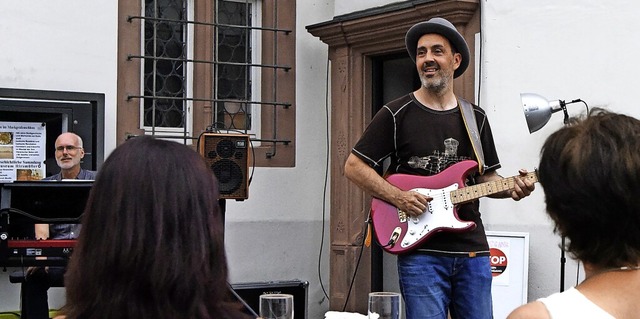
point(151, 245)
point(590, 172)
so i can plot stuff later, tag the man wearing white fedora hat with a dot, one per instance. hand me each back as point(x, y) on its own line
point(425, 133)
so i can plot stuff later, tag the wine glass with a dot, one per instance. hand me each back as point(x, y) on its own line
point(384, 305)
point(276, 306)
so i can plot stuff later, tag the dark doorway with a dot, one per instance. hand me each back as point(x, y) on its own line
point(393, 76)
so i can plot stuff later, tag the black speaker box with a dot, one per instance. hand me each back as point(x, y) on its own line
point(250, 292)
point(228, 158)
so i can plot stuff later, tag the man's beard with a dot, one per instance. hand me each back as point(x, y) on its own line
point(437, 84)
point(66, 165)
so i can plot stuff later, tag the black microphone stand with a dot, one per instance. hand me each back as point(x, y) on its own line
point(223, 209)
point(563, 259)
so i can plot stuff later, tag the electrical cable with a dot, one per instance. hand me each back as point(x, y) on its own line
point(355, 272)
point(242, 301)
point(40, 219)
point(480, 54)
point(585, 104)
point(326, 180)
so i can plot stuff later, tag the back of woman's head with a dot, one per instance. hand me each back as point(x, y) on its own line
point(590, 172)
point(151, 244)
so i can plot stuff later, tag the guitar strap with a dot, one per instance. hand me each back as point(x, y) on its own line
point(470, 123)
point(367, 239)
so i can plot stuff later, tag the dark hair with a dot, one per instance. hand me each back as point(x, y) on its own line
point(151, 245)
point(590, 172)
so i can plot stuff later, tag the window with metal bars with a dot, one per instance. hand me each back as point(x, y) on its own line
point(223, 66)
point(165, 75)
point(235, 75)
point(165, 71)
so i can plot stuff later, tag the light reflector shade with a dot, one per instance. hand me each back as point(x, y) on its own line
point(537, 110)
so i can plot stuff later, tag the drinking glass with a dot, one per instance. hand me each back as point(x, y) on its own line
point(384, 305)
point(276, 306)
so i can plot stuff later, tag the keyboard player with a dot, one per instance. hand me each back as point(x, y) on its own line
point(68, 153)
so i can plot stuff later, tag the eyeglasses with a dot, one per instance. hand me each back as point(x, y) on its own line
point(69, 148)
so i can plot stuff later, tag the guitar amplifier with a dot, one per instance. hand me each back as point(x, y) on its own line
point(251, 292)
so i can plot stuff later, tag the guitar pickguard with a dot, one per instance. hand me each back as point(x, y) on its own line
point(438, 215)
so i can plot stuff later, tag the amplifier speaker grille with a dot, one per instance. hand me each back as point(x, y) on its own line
point(228, 157)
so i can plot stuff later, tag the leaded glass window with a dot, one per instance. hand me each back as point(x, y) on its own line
point(164, 74)
point(234, 74)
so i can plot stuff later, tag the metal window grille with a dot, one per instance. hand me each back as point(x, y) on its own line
point(233, 75)
point(164, 72)
point(236, 87)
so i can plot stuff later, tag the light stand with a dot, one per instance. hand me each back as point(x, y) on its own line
point(538, 111)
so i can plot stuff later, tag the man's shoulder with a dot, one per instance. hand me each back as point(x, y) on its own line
point(84, 174)
point(87, 174)
point(54, 177)
point(473, 105)
point(477, 110)
point(399, 103)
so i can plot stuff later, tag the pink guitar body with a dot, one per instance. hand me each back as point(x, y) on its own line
point(398, 233)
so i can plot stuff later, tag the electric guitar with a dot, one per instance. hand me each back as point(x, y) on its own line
point(398, 233)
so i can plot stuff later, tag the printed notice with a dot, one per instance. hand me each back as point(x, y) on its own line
point(22, 151)
point(510, 270)
point(500, 251)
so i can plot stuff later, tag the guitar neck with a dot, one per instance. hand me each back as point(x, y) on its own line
point(470, 193)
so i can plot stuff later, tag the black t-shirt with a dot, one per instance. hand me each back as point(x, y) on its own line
point(422, 141)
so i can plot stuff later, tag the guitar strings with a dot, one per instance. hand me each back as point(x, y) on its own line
point(473, 190)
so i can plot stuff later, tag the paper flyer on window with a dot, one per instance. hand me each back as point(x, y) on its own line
point(22, 151)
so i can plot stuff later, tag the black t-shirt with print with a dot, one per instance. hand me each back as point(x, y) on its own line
point(422, 141)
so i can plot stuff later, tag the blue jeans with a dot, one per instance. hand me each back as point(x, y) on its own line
point(432, 284)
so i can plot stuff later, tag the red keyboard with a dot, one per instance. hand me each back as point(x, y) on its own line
point(50, 243)
point(31, 252)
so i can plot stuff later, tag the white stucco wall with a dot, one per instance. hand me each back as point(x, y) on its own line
point(348, 6)
point(562, 50)
point(61, 46)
